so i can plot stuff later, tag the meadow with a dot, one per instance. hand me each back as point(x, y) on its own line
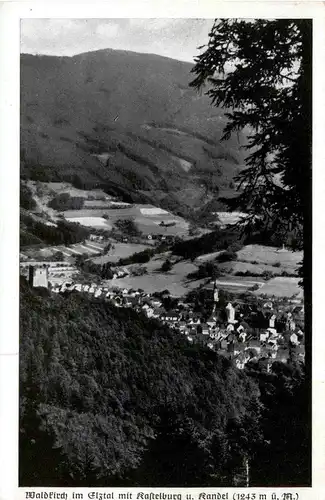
point(147, 218)
point(281, 287)
point(120, 251)
point(257, 259)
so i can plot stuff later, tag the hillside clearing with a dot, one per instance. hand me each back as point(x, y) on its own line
point(91, 222)
point(281, 287)
point(269, 255)
point(156, 283)
point(120, 251)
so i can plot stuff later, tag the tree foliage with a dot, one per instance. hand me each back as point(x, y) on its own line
point(26, 197)
point(218, 239)
point(284, 456)
point(260, 72)
point(95, 385)
point(64, 233)
point(111, 398)
point(64, 201)
point(127, 227)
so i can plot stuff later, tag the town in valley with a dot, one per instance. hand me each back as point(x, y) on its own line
point(225, 314)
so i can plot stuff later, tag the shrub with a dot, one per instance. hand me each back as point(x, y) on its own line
point(65, 233)
point(226, 256)
point(26, 198)
point(58, 256)
point(127, 226)
point(137, 258)
point(166, 267)
point(235, 247)
point(219, 239)
point(245, 273)
point(64, 201)
point(206, 270)
point(267, 275)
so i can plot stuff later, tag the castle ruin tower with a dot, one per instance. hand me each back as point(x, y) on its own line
point(38, 276)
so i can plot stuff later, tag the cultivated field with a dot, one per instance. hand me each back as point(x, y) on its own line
point(277, 287)
point(225, 218)
point(147, 218)
point(157, 283)
point(88, 248)
point(281, 287)
point(207, 257)
point(261, 254)
point(175, 281)
point(97, 204)
point(246, 267)
point(257, 259)
point(120, 251)
point(236, 284)
point(96, 222)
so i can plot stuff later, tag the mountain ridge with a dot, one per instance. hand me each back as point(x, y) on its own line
point(159, 135)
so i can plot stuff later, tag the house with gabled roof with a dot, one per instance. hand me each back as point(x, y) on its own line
point(265, 363)
point(195, 319)
point(300, 352)
point(211, 321)
point(182, 326)
point(239, 348)
point(205, 328)
point(130, 300)
point(241, 359)
point(170, 316)
point(223, 344)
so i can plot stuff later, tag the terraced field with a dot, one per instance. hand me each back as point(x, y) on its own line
point(147, 217)
point(88, 248)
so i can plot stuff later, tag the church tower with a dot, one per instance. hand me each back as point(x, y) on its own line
point(215, 297)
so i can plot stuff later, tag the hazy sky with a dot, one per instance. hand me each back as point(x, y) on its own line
point(176, 38)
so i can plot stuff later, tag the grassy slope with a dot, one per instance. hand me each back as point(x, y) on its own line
point(136, 107)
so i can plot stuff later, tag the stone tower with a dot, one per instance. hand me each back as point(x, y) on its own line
point(38, 276)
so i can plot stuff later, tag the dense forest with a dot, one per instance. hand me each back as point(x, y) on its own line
point(111, 398)
point(35, 232)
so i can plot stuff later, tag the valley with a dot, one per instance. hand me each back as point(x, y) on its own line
point(261, 270)
point(165, 312)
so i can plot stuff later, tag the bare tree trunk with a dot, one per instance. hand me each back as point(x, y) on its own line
point(246, 462)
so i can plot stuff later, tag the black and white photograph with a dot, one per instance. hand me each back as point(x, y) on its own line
point(165, 254)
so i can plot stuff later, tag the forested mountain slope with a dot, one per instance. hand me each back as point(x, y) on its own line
point(108, 397)
point(119, 397)
point(126, 121)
